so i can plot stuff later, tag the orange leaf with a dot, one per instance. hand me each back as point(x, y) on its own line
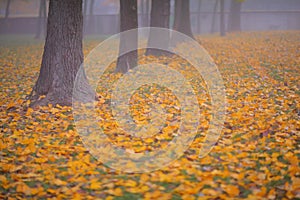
point(231, 190)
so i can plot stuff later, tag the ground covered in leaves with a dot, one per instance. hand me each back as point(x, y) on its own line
point(257, 156)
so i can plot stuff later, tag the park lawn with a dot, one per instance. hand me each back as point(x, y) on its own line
point(257, 156)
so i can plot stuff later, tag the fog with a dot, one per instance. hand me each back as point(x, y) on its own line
point(101, 17)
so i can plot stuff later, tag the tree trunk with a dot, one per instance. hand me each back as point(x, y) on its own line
point(62, 56)
point(222, 19)
point(212, 29)
point(160, 17)
point(235, 16)
point(91, 11)
point(128, 20)
point(85, 3)
point(147, 11)
point(199, 16)
point(91, 17)
point(182, 22)
point(41, 21)
point(142, 13)
point(7, 8)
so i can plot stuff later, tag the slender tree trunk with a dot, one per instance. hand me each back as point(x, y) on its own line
point(235, 16)
point(160, 18)
point(222, 19)
point(91, 16)
point(44, 24)
point(128, 20)
point(199, 16)
point(142, 7)
point(147, 11)
point(7, 8)
point(85, 7)
point(62, 56)
point(91, 9)
point(182, 22)
point(41, 24)
point(212, 30)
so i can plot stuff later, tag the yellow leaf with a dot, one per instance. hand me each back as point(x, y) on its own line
point(272, 194)
point(115, 192)
point(59, 182)
point(40, 160)
point(296, 183)
point(262, 192)
point(11, 104)
point(109, 198)
point(23, 188)
point(3, 178)
point(118, 192)
point(231, 190)
point(210, 192)
point(95, 185)
point(144, 178)
point(130, 183)
point(153, 195)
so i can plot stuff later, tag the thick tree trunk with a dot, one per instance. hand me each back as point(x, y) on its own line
point(41, 26)
point(7, 8)
point(222, 19)
point(235, 16)
point(160, 17)
point(62, 55)
point(182, 22)
point(128, 20)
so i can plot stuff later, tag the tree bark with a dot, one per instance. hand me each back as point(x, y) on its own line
point(160, 17)
point(128, 20)
point(182, 22)
point(235, 16)
point(41, 26)
point(222, 19)
point(7, 8)
point(62, 56)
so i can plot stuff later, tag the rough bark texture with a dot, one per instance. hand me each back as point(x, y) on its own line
point(41, 26)
point(182, 22)
point(160, 17)
point(235, 16)
point(62, 55)
point(222, 19)
point(128, 20)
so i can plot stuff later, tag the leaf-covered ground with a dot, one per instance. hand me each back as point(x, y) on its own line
point(257, 157)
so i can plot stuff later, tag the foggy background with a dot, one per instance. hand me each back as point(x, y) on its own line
point(101, 17)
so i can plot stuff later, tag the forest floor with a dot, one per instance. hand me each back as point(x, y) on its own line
point(257, 156)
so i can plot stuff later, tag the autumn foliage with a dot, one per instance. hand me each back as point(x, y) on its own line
point(257, 156)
